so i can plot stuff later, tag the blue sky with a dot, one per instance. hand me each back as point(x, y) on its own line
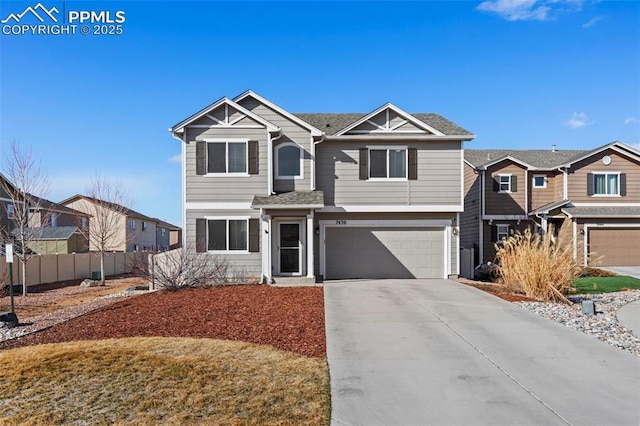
point(517, 73)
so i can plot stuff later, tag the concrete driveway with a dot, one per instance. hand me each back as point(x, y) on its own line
point(435, 352)
point(632, 271)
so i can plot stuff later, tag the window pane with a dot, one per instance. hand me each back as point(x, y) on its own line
point(397, 163)
point(289, 161)
point(237, 235)
point(538, 181)
point(378, 163)
point(600, 184)
point(505, 183)
point(216, 158)
point(612, 184)
point(217, 235)
point(237, 157)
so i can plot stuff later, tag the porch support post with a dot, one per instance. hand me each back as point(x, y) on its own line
point(310, 234)
point(266, 247)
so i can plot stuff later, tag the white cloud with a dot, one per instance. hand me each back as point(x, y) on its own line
point(175, 158)
point(631, 120)
point(592, 22)
point(529, 10)
point(577, 120)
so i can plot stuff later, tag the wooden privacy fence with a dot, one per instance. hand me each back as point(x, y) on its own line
point(50, 268)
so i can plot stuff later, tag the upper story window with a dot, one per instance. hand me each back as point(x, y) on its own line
point(132, 224)
point(11, 212)
point(163, 232)
point(606, 184)
point(288, 161)
point(227, 157)
point(144, 226)
point(230, 157)
point(539, 181)
point(505, 183)
point(388, 163)
point(84, 222)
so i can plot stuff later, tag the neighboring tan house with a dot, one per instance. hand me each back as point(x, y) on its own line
point(168, 236)
point(135, 231)
point(591, 199)
point(374, 195)
point(58, 240)
point(48, 213)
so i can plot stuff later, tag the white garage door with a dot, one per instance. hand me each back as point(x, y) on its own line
point(384, 252)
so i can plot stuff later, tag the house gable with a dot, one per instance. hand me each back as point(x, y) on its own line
point(389, 120)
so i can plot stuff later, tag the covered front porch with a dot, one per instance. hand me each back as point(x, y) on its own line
point(287, 227)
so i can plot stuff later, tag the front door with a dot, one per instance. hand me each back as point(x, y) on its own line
point(290, 248)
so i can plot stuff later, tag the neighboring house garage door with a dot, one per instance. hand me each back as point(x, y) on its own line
point(615, 246)
point(384, 252)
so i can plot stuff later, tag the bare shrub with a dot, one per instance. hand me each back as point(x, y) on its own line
point(533, 265)
point(596, 272)
point(185, 268)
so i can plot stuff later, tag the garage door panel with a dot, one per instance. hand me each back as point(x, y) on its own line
point(378, 252)
point(614, 246)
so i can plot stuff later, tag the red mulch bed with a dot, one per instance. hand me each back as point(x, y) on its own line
point(291, 319)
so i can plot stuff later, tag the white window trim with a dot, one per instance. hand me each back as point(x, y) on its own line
point(387, 148)
point(533, 183)
point(226, 141)
point(277, 171)
point(227, 218)
point(500, 190)
point(607, 182)
point(11, 212)
point(498, 233)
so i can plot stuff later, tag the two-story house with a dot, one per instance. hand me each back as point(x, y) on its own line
point(127, 229)
point(375, 195)
point(590, 198)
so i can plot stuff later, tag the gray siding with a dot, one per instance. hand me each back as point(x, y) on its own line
point(226, 188)
point(291, 132)
point(247, 264)
point(438, 183)
point(470, 218)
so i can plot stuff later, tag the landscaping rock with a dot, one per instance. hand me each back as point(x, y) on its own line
point(8, 320)
point(91, 283)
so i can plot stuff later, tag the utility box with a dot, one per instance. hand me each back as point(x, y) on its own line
point(588, 307)
point(95, 275)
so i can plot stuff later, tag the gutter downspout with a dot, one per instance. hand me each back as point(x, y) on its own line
point(270, 140)
point(183, 178)
point(313, 160)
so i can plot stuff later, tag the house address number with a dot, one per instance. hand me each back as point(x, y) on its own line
point(341, 222)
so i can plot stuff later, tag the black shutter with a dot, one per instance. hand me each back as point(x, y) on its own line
point(494, 233)
point(589, 183)
point(364, 164)
point(201, 235)
point(623, 184)
point(496, 184)
point(254, 163)
point(514, 183)
point(413, 164)
point(254, 235)
point(201, 168)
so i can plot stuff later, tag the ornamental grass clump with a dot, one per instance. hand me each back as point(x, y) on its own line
point(537, 266)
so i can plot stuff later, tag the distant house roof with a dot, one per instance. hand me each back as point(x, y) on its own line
point(610, 212)
point(114, 206)
point(538, 158)
point(55, 207)
point(331, 123)
point(294, 199)
point(50, 232)
point(167, 225)
point(543, 159)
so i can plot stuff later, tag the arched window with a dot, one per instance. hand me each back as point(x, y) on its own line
point(288, 161)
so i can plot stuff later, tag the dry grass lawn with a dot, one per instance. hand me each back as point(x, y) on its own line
point(147, 381)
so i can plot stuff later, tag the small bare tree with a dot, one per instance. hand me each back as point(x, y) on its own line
point(23, 183)
point(106, 203)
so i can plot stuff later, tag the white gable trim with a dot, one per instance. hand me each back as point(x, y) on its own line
point(510, 158)
point(179, 128)
point(389, 106)
point(619, 147)
point(300, 122)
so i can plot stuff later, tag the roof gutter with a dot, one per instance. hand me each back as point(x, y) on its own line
point(369, 137)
